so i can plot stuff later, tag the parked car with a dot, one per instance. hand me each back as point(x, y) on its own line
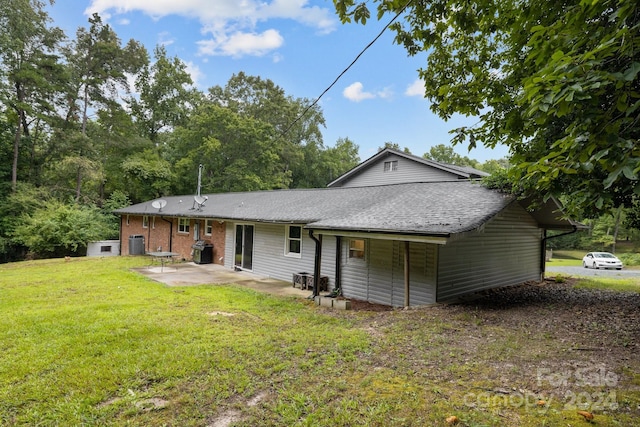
point(601, 260)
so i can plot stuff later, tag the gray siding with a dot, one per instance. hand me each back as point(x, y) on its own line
point(269, 258)
point(507, 252)
point(380, 279)
point(408, 171)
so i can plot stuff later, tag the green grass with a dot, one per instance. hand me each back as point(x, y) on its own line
point(620, 285)
point(89, 342)
point(563, 258)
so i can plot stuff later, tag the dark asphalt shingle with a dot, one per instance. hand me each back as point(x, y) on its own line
point(417, 208)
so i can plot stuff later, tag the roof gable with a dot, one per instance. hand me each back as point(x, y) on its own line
point(390, 166)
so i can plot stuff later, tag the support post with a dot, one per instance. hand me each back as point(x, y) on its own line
point(316, 265)
point(407, 277)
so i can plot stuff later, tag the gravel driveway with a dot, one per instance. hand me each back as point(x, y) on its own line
point(589, 272)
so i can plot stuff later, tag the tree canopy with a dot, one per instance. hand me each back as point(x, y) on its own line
point(72, 137)
point(557, 82)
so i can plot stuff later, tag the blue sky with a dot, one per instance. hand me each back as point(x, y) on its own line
point(302, 47)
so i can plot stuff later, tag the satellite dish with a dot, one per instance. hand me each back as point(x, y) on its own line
point(199, 200)
point(159, 204)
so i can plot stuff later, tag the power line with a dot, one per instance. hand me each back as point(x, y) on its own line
point(346, 69)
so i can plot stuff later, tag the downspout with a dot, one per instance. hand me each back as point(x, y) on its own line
point(316, 265)
point(544, 246)
point(121, 223)
point(148, 239)
point(170, 233)
point(338, 279)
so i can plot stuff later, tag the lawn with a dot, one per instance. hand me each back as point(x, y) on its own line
point(90, 342)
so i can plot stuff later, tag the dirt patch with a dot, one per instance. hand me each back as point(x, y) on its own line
point(358, 305)
point(538, 339)
point(221, 313)
point(234, 416)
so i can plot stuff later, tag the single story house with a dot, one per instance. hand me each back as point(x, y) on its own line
point(398, 230)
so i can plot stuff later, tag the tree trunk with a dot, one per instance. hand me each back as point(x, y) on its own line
point(22, 125)
point(16, 153)
point(616, 229)
point(84, 134)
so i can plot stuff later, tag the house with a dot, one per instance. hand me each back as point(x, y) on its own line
point(396, 230)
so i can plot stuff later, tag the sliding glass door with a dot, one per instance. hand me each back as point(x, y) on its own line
point(244, 246)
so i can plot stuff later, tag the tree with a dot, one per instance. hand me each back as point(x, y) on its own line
point(325, 165)
point(297, 134)
point(148, 175)
point(557, 82)
point(339, 159)
point(395, 146)
point(445, 154)
point(98, 67)
point(238, 153)
point(25, 198)
point(166, 96)
point(29, 68)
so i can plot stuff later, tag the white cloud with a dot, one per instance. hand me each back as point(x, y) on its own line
point(415, 89)
point(196, 74)
point(386, 93)
point(124, 21)
point(231, 23)
point(165, 39)
point(354, 92)
point(242, 44)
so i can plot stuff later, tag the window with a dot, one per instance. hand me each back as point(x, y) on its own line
point(183, 225)
point(145, 221)
point(208, 227)
point(294, 241)
point(127, 219)
point(104, 249)
point(356, 249)
point(391, 166)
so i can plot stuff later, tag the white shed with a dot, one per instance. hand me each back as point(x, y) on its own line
point(103, 248)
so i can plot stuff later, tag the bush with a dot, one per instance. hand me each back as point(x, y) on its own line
point(629, 259)
point(58, 229)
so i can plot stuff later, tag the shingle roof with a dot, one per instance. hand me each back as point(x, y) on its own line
point(434, 208)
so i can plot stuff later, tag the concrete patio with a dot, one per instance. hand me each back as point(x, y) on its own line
point(191, 274)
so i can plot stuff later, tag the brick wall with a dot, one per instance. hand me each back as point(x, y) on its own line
point(162, 234)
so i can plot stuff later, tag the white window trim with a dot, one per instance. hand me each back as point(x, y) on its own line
point(188, 225)
point(208, 224)
point(393, 166)
point(287, 239)
point(145, 221)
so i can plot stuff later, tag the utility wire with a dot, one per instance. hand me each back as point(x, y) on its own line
point(346, 69)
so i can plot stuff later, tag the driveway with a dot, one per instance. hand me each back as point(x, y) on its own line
point(579, 271)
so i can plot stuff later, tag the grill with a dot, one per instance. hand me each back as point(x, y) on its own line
point(200, 244)
point(202, 252)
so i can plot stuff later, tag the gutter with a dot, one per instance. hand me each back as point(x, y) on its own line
point(120, 233)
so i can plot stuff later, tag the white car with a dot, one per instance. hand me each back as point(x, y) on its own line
point(601, 260)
